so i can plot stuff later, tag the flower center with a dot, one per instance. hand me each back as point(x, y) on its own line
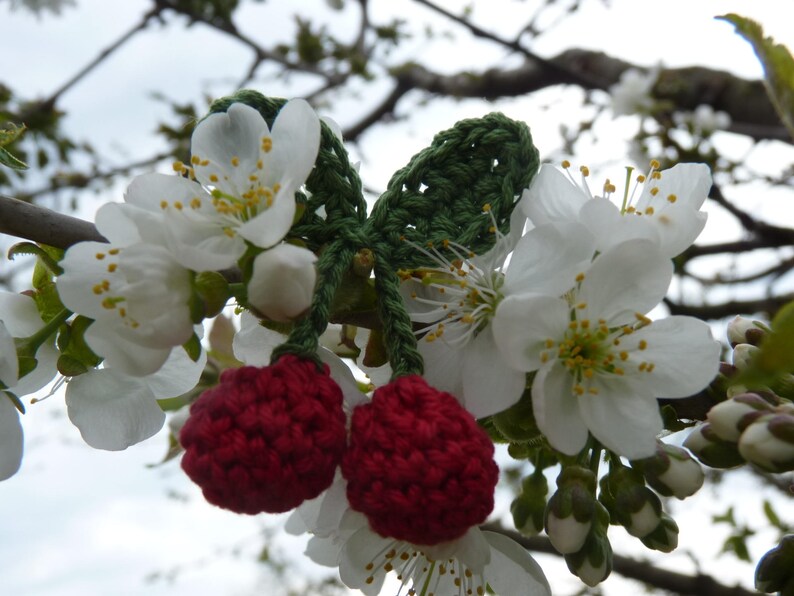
point(427, 577)
point(589, 350)
point(629, 203)
point(104, 288)
point(464, 291)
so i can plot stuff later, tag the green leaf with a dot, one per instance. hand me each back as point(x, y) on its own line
point(8, 160)
point(74, 348)
point(778, 66)
point(771, 515)
point(8, 136)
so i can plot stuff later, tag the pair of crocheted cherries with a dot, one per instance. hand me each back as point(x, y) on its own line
point(266, 439)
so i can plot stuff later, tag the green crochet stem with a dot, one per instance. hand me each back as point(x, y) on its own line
point(439, 196)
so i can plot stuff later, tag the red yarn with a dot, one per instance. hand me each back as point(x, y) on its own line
point(418, 465)
point(265, 439)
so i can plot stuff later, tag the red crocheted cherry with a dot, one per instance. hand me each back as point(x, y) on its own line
point(418, 465)
point(265, 439)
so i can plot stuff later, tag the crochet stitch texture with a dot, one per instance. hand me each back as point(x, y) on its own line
point(418, 465)
point(265, 439)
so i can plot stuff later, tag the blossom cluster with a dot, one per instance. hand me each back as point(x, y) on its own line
point(551, 333)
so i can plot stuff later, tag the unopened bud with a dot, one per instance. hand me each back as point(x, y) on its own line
point(665, 537)
point(593, 562)
point(636, 507)
point(775, 571)
point(745, 331)
point(672, 472)
point(282, 283)
point(729, 418)
point(704, 443)
point(743, 355)
point(571, 509)
point(769, 442)
point(529, 507)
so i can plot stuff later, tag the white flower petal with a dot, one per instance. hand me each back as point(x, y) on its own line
point(47, 358)
point(629, 278)
point(112, 410)
point(178, 375)
point(621, 418)
point(605, 221)
point(557, 410)
point(271, 225)
point(471, 549)
point(522, 324)
point(343, 376)
point(296, 142)
point(548, 258)
point(9, 363)
point(358, 552)
point(254, 344)
point(443, 360)
point(19, 314)
point(552, 197)
point(123, 354)
point(684, 355)
point(226, 138)
point(11, 439)
point(490, 385)
point(512, 571)
point(689, 182)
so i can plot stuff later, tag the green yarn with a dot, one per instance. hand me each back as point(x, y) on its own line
point(439, 196)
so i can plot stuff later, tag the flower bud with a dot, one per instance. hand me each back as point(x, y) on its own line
point(743, 355)
point(711, 450)
point(769, 442)
point(529, 507)
point(775, 571)
point(671, 472)
point(636, 507)
point(745, 331)
point(665, 537)
point(571, 509)
point(282, 283)
point(729, 418)
point(593, 562)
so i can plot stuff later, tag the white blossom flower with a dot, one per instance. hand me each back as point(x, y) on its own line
point(343, 538)
point(666, 210)
point(243, 179)
point(19, 317)
point(631, 96)
point(600, 361)
point(114, 411)
point(458, 300)
point(138, 297)
point(282, 282)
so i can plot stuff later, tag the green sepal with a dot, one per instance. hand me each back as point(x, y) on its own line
point(517, 423)
point(69, 366)
point(27, 364)
point(193, 347)
point(172, 404)
point(15, 400)
point(375, 354)
point(778, 66)
point(174, 449)
point(72, 345)
point(213, 292)
point(45, 259)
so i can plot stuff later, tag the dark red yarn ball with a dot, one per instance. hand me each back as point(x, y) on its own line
point(265, 439)
point(418, 465)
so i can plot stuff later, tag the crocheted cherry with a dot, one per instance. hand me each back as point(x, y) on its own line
point(265, 439)
point(418, 465)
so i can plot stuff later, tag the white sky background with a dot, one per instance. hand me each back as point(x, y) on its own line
point(78, 521)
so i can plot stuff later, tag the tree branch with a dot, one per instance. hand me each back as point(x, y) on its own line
point(40, 224)
point(643, 571)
